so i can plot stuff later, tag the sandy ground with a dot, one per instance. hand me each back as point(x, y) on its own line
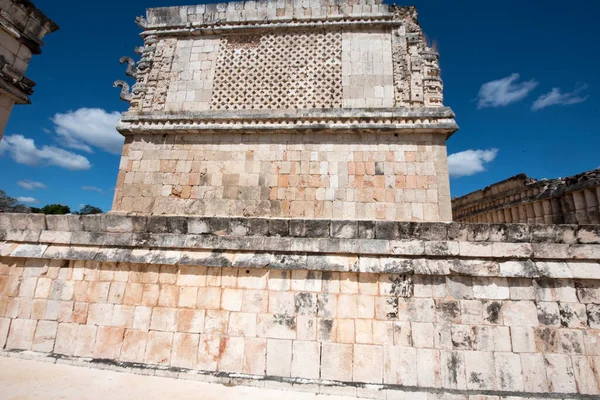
point(24, 379)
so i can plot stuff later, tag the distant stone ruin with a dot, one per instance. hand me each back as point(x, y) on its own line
point(571, 200)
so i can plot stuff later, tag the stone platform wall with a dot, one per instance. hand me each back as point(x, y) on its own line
point(291, 175)
point(383, 310)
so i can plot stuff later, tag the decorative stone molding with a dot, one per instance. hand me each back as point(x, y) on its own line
point(439, 120)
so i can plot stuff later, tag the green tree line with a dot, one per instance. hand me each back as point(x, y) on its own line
point(11, 205)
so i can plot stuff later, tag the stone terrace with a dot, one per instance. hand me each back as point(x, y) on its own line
point(372, 309)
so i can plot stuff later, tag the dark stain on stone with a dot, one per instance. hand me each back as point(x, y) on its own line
point(493, 312)
point(304, 303)
point(57, 288)
point(325, 328)
point(547, 318)
point(566, 315)
point(398, 332)
point(439, 249)
point(285, 320)
point(400, 285)
point(448, 310)
point(593, 314)
point(461, 339)
point(322, 302)
point(529, 269)
point(476, 378)
point(570, 344)
point(546, 362)
point(547, 337)
point(505, 380)
point(453, 365)
point(393, 302)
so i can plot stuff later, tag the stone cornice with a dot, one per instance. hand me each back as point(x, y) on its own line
point(28, 33)
point(302, 228)
point(505, 250)
point(281, 24)
point(13, 90)
point(417, 120)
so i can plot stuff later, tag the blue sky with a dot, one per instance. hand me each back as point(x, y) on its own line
point(551, 45)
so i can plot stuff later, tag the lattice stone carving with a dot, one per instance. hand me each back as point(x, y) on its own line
point(279, 71)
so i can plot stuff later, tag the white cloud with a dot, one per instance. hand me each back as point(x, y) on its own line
point(31, 185)
point(85, 128)
point(29, 200)
point(92, 189)
point(24, 151)
point(555, 97)
point(470, 162)
point(502, 92)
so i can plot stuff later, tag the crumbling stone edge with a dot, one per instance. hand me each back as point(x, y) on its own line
point(273, 382)
point(503, 250)
point(301, 228)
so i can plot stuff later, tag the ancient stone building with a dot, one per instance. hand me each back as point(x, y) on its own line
point(350, 301)
point(22, 28)
point(321, 109)
point(571, 200)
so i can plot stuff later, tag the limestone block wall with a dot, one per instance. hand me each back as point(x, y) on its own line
point(372, 309)
point(573, 200)
point(367, 70)
point(334, 176)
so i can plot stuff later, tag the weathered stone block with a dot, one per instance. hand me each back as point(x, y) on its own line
point(519, 313)
point(453, 370)
point(279, 357)
point(305, 359)
point(367, 364)
point(45, 336)
point(164, 319)
point(399, 365)
point(134, 345)
point(184, 353)
point(534, 377)
point(108, 342)
point(572, 315)
point(158, 348)
point(428, 368)
point(480, 370)
point(86, 339)
point(337, 361)
point(344, 229)
point(64, 338)
point(559, 371)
